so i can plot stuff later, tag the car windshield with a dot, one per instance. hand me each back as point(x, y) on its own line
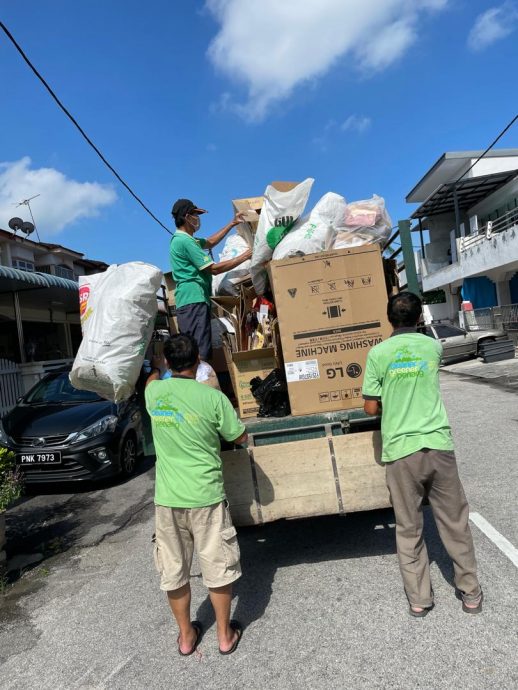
point(444, 331)
point(58, 389)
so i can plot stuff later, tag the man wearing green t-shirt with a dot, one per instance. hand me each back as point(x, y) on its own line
point(191, 511)
point(402, 384)
point(193, 269)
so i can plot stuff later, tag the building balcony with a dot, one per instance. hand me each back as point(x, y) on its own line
point(493, 252)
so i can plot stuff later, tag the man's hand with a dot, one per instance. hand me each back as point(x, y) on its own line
point(239, 218)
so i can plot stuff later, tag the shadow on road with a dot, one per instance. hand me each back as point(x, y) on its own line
point(281, 544)
point(50, 519)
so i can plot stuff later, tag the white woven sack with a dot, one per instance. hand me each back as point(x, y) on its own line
point(279, 213)
point(118, 310)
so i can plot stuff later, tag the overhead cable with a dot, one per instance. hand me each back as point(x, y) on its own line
point(78, 126)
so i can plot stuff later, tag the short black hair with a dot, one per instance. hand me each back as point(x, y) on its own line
point(181, 352)
point(179, 221)
point(404, 310)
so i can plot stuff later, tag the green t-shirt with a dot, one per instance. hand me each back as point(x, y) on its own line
point(188, 261)
point(403, 373)
point(187, 419)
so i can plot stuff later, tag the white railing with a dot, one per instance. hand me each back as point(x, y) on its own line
point(491, 228)
point(11, 385)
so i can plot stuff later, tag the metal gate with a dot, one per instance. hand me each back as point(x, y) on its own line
point(10, 385)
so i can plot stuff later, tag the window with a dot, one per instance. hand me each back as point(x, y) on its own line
point(448, 331)
point(428, 331)
point(23, 265)
point(65, 272)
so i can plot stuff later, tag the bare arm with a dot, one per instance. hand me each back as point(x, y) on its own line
point(156, 369)
point(216, 238)
point(241, 440)
point(224, 266)
point(372, 407)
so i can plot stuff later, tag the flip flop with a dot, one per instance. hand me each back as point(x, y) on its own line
point(199, 631)
point(238, 628)
point(420, 614)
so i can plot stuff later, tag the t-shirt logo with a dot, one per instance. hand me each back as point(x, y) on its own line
point(407, 364)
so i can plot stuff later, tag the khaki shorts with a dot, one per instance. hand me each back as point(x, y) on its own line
point(208, 530)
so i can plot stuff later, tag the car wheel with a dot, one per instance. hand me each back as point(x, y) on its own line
point(128, 456)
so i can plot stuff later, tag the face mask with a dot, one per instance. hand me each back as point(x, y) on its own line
point(194, 222)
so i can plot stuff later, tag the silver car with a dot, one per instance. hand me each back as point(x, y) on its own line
point(458, 343)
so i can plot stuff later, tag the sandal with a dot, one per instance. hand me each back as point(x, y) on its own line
point(238, 629)
point(420, 614)
point(472, 609)
point(199, 631)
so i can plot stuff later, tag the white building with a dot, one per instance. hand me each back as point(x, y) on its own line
point(472, 252)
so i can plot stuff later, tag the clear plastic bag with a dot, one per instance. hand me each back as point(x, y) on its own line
point(366, 222)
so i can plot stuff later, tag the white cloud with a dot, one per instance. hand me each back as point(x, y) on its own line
point(356, 123)
point(271, 47)
point(492, 25)
point(61, 202)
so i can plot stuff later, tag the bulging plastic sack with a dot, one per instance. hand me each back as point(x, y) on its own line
point(366, 222)
point(118, 310)
point(272, 394)
point(316, 232)
point(224, 283)
point(279, 213)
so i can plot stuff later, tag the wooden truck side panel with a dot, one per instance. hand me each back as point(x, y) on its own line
point(318, 476)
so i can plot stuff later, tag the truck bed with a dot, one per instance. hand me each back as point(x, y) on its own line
point(303, 466)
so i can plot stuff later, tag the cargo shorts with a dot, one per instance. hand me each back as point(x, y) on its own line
point(178, 531)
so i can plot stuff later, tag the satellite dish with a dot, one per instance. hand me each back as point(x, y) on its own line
point(27, 228)
point(16, 224)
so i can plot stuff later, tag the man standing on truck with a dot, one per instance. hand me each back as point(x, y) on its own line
point(402, 384)
point(193, 269)
point(191, 511)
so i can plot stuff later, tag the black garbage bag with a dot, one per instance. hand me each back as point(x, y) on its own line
point(271, 394)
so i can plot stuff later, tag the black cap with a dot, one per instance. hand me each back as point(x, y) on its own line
point(184, 207)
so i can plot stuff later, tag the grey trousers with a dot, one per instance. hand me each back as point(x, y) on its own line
point(431, 473)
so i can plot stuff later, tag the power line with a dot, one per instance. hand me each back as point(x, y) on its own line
point(489, 147)
point(78, 126)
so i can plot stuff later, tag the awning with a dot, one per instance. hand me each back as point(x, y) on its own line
point(470, 191)
point(15, 280)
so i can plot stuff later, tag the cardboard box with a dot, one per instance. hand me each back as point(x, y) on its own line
point(331, 309)
point(250, 208)
point(243, 367)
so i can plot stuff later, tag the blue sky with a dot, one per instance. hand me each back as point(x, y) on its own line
point(213, 100)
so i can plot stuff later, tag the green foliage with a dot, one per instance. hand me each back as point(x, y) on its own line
point(11, 480)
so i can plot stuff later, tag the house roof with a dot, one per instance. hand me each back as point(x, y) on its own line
point(469, 191)
point(15, 280)
point(52, 248)
point(448, 168)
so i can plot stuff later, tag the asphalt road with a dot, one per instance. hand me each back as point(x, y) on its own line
point(321, 598)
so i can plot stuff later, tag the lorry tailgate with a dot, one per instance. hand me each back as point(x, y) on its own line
point(318, 464)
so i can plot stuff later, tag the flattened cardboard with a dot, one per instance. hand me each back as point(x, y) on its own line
point(331, 309)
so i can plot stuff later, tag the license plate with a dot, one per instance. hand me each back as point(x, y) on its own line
point(39, 459)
